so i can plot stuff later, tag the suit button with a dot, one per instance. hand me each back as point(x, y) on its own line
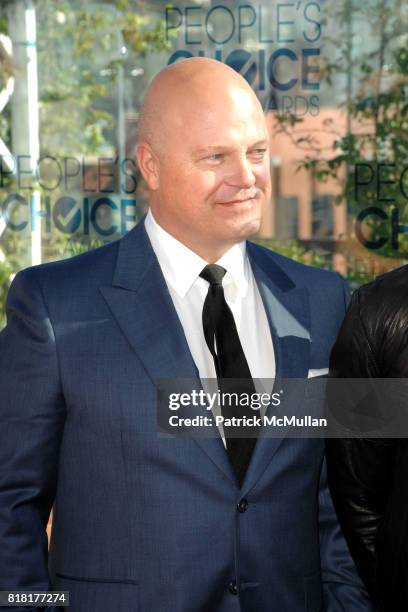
point(232, 587)
point(243, 505)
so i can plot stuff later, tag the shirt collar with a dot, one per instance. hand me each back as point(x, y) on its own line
point(181, 266)
point(234, 261)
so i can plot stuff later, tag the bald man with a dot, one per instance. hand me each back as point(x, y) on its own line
point(142, 522)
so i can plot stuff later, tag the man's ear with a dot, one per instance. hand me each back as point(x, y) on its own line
point(148, 164)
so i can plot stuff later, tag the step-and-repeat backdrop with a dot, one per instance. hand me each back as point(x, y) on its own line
point(332, 77)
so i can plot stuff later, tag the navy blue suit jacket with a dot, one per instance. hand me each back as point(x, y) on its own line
point(143, 523)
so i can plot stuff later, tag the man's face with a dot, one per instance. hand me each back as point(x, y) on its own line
point(213, 171)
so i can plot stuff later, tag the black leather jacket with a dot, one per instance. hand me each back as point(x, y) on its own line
point(368, 478)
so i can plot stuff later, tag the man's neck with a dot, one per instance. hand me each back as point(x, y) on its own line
point(210, 253)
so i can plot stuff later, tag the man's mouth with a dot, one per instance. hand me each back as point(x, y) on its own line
point(237, 201)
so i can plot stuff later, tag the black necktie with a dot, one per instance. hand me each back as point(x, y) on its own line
point(230, 363)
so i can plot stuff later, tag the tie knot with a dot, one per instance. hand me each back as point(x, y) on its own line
point(213, 274)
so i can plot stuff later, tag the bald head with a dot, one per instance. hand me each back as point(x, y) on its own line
point(203, 152)
point(178, 89)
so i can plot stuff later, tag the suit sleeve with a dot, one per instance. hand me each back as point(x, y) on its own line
point(358, 468)
point(32, 413)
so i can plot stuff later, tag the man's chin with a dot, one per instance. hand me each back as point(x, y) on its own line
point(244, 230)
point(253, 227)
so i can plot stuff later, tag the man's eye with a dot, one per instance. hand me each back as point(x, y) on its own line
point(258, 153)
point(215, 156)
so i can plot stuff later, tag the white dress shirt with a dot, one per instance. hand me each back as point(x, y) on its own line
point(181, 268)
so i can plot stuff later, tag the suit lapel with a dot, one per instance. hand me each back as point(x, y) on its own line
point(288, 312)
point(142, 306)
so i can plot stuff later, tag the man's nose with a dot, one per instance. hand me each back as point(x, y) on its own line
point(242, 173)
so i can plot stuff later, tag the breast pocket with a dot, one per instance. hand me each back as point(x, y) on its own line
point(96, 594)
point(316, 387)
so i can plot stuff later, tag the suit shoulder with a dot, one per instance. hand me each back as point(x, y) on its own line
point(300, 273)
point(91, 267)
